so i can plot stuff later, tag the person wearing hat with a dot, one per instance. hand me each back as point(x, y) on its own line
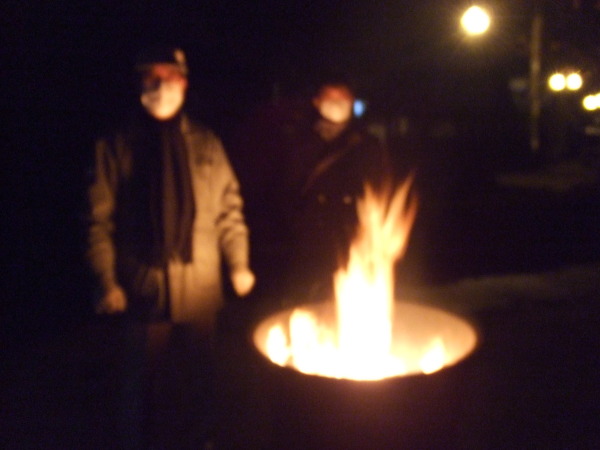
point(165, 211)
point(330, 157)
point(165, 206)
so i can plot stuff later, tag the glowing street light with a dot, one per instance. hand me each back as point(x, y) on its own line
point(574, 81)
point(559, 81)
point(475, 20)
point(591, 102)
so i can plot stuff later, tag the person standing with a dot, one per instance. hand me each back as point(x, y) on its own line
point(327, 163)
point(165, 213)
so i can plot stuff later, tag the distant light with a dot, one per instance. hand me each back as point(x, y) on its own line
point(359, 108)
point(518, 84)
point(591, 102)
point(475, 20)
point(574, 81)
point(557, 82)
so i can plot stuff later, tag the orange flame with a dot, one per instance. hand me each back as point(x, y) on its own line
point(364, 291)
point(358, 343)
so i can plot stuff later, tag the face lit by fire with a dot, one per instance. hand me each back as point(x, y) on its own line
point(334, 103)
point(163, 91)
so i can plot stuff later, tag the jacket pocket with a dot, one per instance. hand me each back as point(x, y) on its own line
point(146, 289)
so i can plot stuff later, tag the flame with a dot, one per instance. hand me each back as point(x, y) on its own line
point(358, 343)
point(364, 291)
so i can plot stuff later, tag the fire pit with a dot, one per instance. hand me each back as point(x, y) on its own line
point(360, 371)
point(424, 340)
point(419, 407)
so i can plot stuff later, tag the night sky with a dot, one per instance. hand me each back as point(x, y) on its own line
point(66, 57)
point(67, 78)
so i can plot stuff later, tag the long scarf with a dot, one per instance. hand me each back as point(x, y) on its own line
point(166, 188)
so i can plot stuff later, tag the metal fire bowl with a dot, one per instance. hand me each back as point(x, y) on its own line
point(415, 326)
point(414, 411)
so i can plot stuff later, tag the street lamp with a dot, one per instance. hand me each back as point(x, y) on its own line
point(475, 20)
point(559, 81)
point(591, 102)
point(574, 81)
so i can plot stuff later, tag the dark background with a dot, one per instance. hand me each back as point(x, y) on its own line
point(520, 259)
point(67, 79)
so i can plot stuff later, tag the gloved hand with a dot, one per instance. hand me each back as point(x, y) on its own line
point(243, 280)
point(114, 301)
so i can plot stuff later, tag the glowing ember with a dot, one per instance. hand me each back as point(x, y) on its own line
point(363, 336)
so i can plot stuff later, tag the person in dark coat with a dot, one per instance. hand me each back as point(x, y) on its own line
point(328, 161)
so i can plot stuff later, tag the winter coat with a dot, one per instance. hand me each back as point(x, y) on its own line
point(185, 292)
point(323, 180)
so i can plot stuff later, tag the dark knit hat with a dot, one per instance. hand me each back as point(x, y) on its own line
point(161, 55)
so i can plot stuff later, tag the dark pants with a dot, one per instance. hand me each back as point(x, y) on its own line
point(165, 386)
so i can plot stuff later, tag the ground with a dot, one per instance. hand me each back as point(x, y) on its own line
point(520, 261)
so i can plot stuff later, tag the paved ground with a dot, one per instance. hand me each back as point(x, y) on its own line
point(523, 263)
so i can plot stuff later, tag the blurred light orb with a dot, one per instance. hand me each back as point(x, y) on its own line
point(475, 20)
point(557, 82)
point(359, 107)
point(591, 102)
point(574, 81)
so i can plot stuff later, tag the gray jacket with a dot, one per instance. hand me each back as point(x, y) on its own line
point(193, 290)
